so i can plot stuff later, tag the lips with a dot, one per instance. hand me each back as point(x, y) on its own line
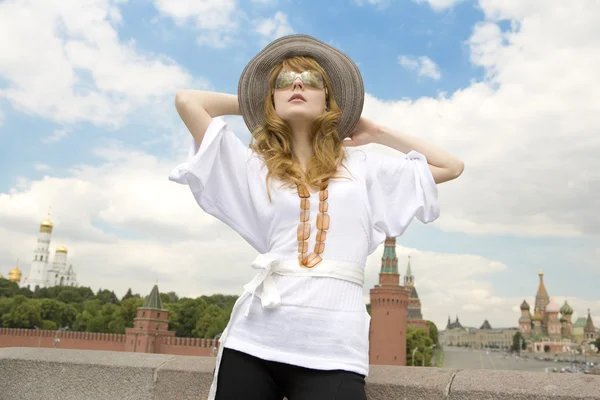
point(297, 96)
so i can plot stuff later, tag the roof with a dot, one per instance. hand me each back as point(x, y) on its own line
point(580, 323)
point(413, 293)
point(486, 325)
point(389, 254)
point(589, 324)
point(153, 300)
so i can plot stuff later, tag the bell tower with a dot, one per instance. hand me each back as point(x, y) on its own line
point(389, 303)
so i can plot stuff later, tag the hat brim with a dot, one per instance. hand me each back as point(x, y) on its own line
point(343, 73)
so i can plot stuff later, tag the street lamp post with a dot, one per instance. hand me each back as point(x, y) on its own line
point(413, 356)
point(425, 352)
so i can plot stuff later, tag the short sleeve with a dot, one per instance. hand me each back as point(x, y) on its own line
point(223, 177)
point(400, 189)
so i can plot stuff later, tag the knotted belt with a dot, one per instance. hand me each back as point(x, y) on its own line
point(270, 264)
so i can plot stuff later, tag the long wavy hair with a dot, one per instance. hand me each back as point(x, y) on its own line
point(273, 140)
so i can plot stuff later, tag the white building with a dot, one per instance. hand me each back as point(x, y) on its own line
point(42, 272)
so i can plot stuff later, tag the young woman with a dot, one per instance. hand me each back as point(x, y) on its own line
point(313, 206)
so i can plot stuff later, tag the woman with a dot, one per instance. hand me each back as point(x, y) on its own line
point(313, 206)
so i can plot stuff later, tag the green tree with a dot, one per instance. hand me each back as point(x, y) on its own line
point(165, 298)
point(518, 339)
point(8, 288)
point(418, 338)
point(6, 304)
point(70, 295)
point(25, 313)
point(597, 344)
point(433, 332)
point(107, 296)
point(129, 295)
point(189, 313)
point(25, 291)
point(209, 323)
point(173, 296)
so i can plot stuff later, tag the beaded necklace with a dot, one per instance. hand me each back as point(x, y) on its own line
point(314, 258)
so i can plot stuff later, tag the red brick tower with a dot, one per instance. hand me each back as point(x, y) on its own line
point(389, 302)
point(150, 325)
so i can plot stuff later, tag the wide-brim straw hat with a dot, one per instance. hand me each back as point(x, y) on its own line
point(344, 76)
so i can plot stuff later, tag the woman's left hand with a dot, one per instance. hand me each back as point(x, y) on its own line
point(365, 132)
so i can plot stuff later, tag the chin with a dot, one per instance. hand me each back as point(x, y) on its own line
point(298, 115)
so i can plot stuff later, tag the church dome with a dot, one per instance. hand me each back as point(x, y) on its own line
point(14, 274)
point(61, 249)
point(537, 316)
point(1, 276)
point(47, 223)
point(552, 307)
point(566, 309)
point(524, 305)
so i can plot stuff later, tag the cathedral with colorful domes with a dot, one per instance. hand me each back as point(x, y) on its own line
point(545, 330)
point(44, 273)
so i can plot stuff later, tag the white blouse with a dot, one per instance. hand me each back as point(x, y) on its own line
point(321, 322)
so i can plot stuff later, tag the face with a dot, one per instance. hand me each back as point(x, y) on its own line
point(299, 96)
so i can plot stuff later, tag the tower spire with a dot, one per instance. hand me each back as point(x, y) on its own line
point(541, 298)
point(388, 274)
point(409, 279)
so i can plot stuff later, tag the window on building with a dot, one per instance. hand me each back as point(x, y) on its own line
point(157, 315)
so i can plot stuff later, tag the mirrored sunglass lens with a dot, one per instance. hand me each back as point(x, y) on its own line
point(310, 78)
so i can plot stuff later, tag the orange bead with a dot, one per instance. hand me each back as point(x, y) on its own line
point(303, 231)
point(319, 247)
point(304, 204)
point(302, 258)
point(304, 215)
point(323, 195)
point(303, 191)
point(323, 222)
point(312, 259)
point(321, 235)
point(323, 206)
point(303, 247)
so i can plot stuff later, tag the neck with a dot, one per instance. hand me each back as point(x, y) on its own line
point(301, 143)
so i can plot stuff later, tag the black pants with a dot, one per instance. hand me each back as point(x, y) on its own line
point(245, 377)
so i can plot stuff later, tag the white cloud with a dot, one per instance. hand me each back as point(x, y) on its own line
point(380, 4)
point(273, 28)
point(423, 65)
point(265, 3)
point(216, 19)
point(56, 136)
point(526, 132)
point(41, 167)
point(63, 60)
point(439, 5)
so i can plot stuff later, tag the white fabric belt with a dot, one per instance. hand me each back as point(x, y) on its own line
point(270, 264)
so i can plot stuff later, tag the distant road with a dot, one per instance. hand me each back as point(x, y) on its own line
point(455, 357)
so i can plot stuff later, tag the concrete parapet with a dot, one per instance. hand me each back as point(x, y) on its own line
point(37, 373)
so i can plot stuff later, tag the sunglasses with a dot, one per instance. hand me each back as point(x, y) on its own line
point(310, 78)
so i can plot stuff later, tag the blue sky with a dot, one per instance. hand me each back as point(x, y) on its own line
point(86, 109)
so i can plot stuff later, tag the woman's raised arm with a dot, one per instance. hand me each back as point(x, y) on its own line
point(197, 108)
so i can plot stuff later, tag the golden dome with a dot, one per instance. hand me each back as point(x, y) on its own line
point(61, 249)
point(1, 276)
point(541, 273)
point(14, 274)
point(47, 223)
point(27, 278)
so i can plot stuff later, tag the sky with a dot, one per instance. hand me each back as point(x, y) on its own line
point(88, 129)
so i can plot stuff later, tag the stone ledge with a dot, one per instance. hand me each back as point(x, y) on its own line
point(35, 373)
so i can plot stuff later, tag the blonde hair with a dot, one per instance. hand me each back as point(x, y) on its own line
point(273, 140)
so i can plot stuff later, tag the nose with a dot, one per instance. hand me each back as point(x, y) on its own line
point(298, 84)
